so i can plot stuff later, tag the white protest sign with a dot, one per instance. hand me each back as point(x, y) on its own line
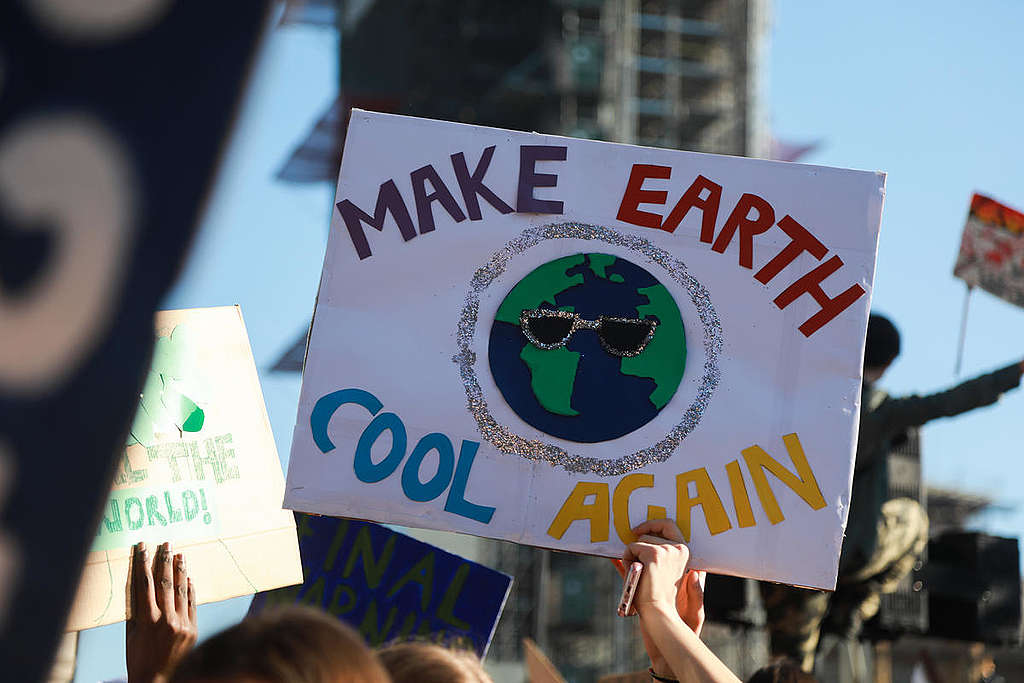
point(200, 469)
point(549, 340)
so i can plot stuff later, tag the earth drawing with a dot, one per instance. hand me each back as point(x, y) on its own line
point(602, 368)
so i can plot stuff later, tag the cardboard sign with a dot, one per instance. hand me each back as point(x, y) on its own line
point(539, 668)
point(992, 250)
point(200, 470)
point(389, 585)
point(550, 340)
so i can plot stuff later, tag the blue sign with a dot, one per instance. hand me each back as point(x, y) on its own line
point(390, 586)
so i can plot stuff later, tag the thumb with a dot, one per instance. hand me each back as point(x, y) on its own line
point(699, 576)
point(695, 590)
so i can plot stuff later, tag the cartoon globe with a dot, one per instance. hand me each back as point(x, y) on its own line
point(588, 347)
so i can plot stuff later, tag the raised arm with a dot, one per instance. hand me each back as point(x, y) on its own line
point(897, 414)
point(665, 557)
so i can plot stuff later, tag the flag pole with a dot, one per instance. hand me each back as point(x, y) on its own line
point(963, 330)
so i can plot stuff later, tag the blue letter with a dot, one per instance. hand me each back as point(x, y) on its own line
point(327, 405)
point(363, 464)
point(412, 486)
point(457, 502)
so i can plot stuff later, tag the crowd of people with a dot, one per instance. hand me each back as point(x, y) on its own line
point(301, 644)
point(306, 645)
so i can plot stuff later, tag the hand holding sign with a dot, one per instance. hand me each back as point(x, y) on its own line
point(161, 624)
point(667, 595)
point(689, 593)
point(689, 599)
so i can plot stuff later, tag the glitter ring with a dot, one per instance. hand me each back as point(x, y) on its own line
point(507, 441)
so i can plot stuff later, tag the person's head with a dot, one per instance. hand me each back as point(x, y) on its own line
point(881, 347)
point(289, 645)
point(420, 662)
point(781, 671)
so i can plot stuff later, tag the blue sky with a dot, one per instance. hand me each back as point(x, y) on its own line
point(928, 92)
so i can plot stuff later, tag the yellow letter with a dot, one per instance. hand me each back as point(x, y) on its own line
point(707, 497)
point(620, 504)
point(575, 509)
point(805, 486)
point(740, 499)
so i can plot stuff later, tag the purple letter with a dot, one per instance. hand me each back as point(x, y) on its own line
point(441, 194)
point(529, 155)
point(388, 199)
point(473, 185)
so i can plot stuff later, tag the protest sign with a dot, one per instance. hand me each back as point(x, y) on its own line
point(389, 585)
point(992, 250)
point(549, 340)
point(200, 469)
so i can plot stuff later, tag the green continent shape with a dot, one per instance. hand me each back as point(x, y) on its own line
point(662, 360)
point(188, 417)
point(552, 377)
point(598, 264)
point(542, 284)
point(161, 404)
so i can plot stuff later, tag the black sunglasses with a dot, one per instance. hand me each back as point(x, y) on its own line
point(623, 337)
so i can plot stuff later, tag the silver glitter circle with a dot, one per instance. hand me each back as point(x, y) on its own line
point(507, 441)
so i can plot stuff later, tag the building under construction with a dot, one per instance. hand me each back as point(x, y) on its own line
point(683, 74)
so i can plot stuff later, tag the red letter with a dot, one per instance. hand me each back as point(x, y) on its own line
point(635, 195)
point(801, 240)
point(811, 284)
point(692, 199)
point(740, 218)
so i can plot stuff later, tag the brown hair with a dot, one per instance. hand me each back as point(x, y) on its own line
point(287, 645)
point(420, 662)
point(781, 671)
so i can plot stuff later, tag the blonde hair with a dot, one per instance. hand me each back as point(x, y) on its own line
point(422, 662)
point(286, 645)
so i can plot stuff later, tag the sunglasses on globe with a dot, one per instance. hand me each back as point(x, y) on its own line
point(623, 337)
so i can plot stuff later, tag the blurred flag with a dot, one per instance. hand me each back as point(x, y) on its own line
point(780, 150)
point(992, 250)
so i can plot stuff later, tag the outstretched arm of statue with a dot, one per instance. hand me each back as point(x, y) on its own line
point(910, 411)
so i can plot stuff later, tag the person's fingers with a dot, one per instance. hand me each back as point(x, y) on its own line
point(682, 550)
point(180, 586)
point(143, 605)
point(694, 616)
point(653, 540)
point(666, 528)
point(129, 587)
point(192, 605)
point(164, 578)
point(640, 551)
point(619, 567)
point(694, 591)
